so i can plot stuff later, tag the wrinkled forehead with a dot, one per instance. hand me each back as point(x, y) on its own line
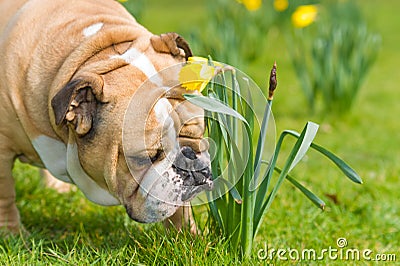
point(129, 66)
point(160, 119)
point(161, 69)
point(178, 111)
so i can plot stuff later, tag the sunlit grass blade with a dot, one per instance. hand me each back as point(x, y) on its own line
point(345, 168)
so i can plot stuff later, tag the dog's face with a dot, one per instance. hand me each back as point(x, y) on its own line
point(138, 140)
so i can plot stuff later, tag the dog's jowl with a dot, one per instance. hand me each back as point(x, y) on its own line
point(71, 73)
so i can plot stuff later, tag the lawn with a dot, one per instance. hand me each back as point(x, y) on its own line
point(68, 229)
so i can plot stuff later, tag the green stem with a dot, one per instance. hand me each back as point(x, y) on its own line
point(247, 205)
point(233, 209)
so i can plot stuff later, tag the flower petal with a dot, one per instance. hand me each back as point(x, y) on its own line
point(281, 5)
point(304, 15)
point(252, 5)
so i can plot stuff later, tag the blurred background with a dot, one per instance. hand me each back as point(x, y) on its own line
point(337, 66)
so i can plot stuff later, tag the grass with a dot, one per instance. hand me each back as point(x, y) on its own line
point(66, 228)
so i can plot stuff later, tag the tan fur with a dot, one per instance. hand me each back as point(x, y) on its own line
point(42, 49)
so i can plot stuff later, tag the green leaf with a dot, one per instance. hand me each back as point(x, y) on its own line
point(298, 151)
point(260, 147)
point(311, 196)
point(310, 132)
point(213, 105)
point(233, 191)
point(238, 160)
point(247, 105)
point(345, 168)
point(214, 210)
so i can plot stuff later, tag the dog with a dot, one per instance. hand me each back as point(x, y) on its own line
point(89, 94)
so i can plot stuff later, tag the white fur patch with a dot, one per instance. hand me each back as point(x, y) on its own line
point(92, 29)
point(142, 62)
point(90, 188)
point(161, 186)
point(63, 163)
point(163, 195)
point(53, 154)
point(162, 109)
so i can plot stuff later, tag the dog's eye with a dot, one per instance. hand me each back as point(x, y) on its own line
point(157, 156)
point(139, 161)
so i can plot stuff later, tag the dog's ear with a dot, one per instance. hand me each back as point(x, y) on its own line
point(171, 43)
point(75, 104)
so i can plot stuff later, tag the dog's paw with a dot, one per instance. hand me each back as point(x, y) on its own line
point(13, 230)
point(182, 220)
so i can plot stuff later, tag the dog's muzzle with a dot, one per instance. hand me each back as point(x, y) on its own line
point(169, 184)
point(194, 171)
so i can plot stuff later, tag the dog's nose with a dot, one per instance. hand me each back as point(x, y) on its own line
point(188, 152)
point(195, 173)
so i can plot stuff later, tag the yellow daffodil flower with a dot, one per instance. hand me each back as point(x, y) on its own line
point(122, 1)
point(251, 5)
point(304, 16)
point(281, 5)
point(196, 74)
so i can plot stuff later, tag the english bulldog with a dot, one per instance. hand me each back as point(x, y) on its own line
point(91, 95)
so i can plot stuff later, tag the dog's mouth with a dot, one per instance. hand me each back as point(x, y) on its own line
point(194, 171)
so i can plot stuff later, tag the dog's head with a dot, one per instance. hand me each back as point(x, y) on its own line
point(133, 134)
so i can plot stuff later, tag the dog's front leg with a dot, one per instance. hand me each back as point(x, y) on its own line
point(53, 183)
point(9, 216)
point(182, 219)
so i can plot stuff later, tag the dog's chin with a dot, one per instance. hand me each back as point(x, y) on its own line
point(155, 205)
point(168, 185)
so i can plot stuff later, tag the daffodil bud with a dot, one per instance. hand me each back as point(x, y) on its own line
point(273, 82)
